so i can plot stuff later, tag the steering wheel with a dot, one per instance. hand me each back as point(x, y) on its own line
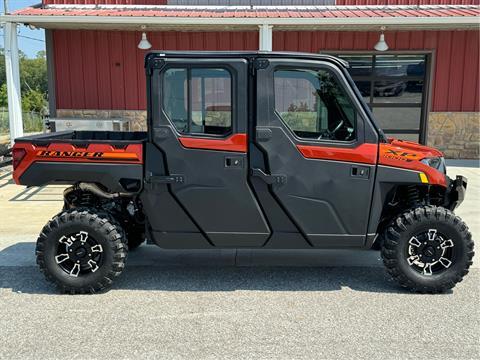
point(330, 134)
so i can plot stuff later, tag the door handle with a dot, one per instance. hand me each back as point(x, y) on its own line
point(164, 179)
point(362, 172)
point(234, 162)
point(269, 179)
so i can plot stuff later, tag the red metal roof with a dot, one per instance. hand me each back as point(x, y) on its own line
point(256, 11)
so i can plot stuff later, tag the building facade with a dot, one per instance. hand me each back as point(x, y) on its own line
point(425, 87)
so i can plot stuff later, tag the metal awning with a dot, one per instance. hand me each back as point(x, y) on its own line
point(167, 17)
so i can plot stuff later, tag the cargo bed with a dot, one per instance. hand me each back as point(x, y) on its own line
point(69, 157)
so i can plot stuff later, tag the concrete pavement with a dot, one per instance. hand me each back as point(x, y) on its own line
point(228, 304)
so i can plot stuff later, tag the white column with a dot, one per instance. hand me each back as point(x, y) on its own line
point(265, 37)
point(12, 69)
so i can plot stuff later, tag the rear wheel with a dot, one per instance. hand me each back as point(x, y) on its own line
point(428, 249)
point(81, 251)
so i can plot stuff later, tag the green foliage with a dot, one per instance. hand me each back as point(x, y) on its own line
point(3, 96)
point(33, 79)
point(33, 100)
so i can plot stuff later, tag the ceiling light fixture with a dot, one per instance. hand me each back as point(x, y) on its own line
point(381, 45)
point(144, 44)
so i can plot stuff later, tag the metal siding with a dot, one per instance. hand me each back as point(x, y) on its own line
point(90, 69)
point(75, 52)
point(441, 77)
point(62, 69)
point(456, 73)
point(104, 69)
point(130, 66)
point(471, 85)
point(117, 70)
point(457, 63)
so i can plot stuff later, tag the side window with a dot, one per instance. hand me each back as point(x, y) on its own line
point(198, 100)
point(314, 105)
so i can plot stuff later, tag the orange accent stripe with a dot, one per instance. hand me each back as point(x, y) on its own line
point(119, 156)
point(237, 142)
point(365, 153)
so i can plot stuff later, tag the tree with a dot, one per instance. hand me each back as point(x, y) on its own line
point(3, 96)
point(33, 79)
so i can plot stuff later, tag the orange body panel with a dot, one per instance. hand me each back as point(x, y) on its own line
point(408, 155)
point(63, 152)
point(395, 153)
point(236, 142)
point(365, 153)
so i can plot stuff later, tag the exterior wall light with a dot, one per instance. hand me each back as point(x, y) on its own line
point(144, 44)
point(381, 45)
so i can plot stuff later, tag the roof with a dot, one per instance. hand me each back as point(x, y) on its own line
point(406, 15)
point(253, 11)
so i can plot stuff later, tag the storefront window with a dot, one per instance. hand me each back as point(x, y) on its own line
point(393, 85)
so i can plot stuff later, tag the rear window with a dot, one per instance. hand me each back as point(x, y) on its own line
point(198, 100)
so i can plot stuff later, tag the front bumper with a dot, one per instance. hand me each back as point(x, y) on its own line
point(455, 193)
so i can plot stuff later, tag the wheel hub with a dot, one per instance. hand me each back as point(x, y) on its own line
point(79, 254)
point(430, 252)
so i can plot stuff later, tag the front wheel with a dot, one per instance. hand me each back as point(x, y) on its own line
point(428, 249)
point(81, 251)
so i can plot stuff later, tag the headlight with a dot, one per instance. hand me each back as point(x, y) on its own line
point(436, 163)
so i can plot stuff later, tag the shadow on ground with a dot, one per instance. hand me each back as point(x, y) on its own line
point(210, 271)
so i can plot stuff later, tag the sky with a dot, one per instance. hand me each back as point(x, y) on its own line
point(25, 40)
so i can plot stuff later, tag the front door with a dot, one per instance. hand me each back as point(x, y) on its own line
point(199, 111)
point(319, 147)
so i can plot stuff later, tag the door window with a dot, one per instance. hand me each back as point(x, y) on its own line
point(314, 105)
point(198, 100)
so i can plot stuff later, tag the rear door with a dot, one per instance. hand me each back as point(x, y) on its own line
point(199, 111)
point(319, 148)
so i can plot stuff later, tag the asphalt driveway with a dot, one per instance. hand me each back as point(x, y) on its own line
point(228, 304)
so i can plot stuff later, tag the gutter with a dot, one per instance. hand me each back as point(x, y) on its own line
point(471, 21)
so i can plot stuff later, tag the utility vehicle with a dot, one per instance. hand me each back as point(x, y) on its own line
point(247, 150)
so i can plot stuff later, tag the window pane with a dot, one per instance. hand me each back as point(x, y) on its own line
point(391, 92)
point(360, 65)
point(211, 101)
point(400, 65)
point(364, 88)
point(398, 118)
point(175, 97)
point(313, 105)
